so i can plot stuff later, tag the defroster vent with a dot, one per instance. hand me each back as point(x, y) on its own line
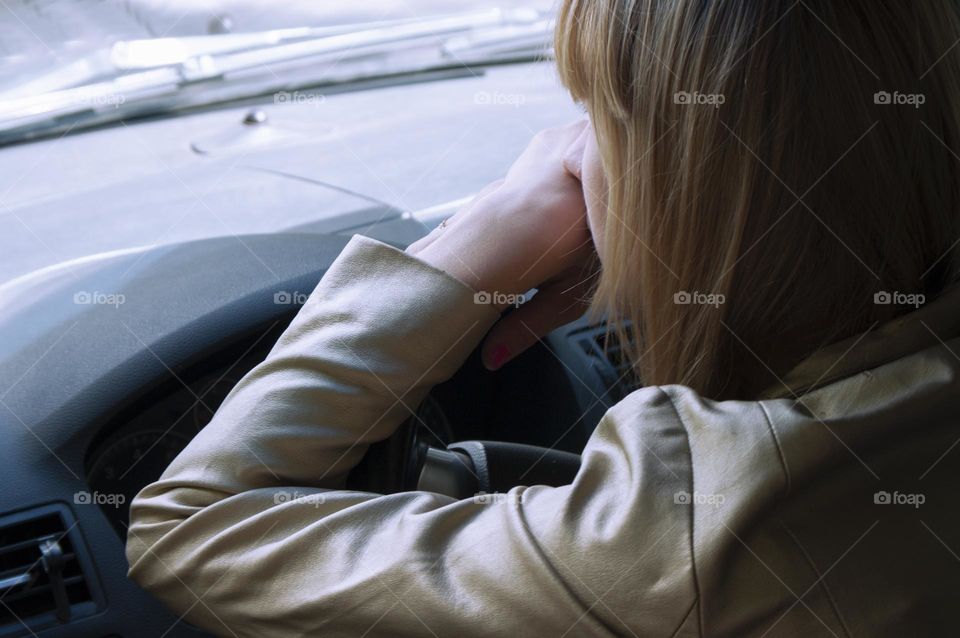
point(45, 577)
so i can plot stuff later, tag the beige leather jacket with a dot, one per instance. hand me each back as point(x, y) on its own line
point(829, 508)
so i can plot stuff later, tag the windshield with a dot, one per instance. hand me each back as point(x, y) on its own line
point(66, 64)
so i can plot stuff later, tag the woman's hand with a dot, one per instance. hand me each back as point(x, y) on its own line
point(526, 231)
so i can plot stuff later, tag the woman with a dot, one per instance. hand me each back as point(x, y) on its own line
point(771, 189)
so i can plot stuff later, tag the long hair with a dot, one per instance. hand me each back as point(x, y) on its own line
point(781, 175)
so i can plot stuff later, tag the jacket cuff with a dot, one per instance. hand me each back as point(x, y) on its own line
point(435, 319)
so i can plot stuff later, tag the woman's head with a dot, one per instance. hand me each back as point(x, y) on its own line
point(768, 168)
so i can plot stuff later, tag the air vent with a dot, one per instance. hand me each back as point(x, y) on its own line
point(605, 350)
point(43, 571)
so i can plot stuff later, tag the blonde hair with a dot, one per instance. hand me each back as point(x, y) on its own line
point(775, 155)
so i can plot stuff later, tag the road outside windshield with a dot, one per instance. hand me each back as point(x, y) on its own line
point(69, 65)
point(37, 35)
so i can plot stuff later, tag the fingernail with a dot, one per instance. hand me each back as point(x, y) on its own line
point(498, 357)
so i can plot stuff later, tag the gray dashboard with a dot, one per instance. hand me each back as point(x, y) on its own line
point(170, 244)
point(188, 302)
point(405, 146)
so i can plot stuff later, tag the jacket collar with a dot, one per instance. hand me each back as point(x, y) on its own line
point(931, 325)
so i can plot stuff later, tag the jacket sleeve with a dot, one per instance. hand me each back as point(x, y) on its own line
point(249, 532)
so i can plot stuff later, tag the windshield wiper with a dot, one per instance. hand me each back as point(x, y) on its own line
point(510, 42)
point(154, 79)
point(128, 56)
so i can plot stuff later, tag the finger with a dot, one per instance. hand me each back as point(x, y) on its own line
point(486, 190)
point(553, 306)
point(573, 156)
point(572, 130)
point(423, 242)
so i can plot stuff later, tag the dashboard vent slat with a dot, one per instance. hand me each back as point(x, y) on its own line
point(604, 348)
point(44, 579)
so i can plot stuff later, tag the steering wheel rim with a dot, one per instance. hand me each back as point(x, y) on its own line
point(391, 465)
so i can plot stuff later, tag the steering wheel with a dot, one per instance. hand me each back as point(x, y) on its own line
point(391, 465)
point(404, 462)
point(192, 309)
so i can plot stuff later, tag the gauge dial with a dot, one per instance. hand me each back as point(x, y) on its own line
point(212, 392)
point(123, 465)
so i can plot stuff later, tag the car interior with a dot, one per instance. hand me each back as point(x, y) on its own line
point(158, 249)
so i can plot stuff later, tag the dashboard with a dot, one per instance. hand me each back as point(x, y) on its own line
point(134, 447)
point(97, 399)
point(111, 394)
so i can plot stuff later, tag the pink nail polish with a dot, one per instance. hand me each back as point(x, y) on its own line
point(499, 356)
